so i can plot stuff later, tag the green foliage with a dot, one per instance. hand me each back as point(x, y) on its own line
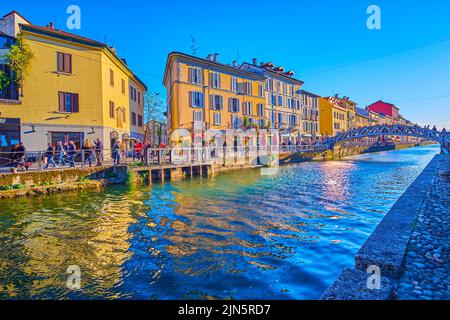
point(246, 122)
point(5, 80)
point(19, 59)
point(16, 186)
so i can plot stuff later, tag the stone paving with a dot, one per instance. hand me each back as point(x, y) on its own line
point(427, 266)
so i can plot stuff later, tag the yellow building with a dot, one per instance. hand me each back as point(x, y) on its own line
point(205, 94)
point(332, 118)
point(77, 88)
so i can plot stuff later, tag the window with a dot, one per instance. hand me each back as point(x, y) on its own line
point(195, 75)
point(234, 121)
point(248, 88)
point(64, 62)
point(233, 105)
point(269, 84)
point(234, 84)
point(216, 102)
point(215, 80)
point(133, 118)
point(217, 117)
point(112, 109)
point(196, 99)
point(68, 102)
point(247, 107)
point(133, 92)
point(260, 108)
point(76, 137)
point(280, 100)
point(111, 77)
point(261, 90)
point(139, 118)
point(197, 116)
point(280, 118)
point(139, 98)
point(123, 86)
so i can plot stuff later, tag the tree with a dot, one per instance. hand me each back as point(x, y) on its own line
point(154, 108)
point(19, 59)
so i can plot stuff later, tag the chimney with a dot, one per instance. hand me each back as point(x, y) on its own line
point(255, 61)
point(234, 63)
point(336, 95)
point(209, 57)
point(51, 25)
point(216, 57)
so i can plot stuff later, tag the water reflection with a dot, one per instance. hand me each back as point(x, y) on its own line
point(237, 236)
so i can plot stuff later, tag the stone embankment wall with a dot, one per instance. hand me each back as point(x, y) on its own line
point(45, 182)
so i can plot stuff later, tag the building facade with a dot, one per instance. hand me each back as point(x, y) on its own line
point(283, 99)
point(136, 96)
point(205, 94)
point(388, 109)
point(362, 118)
point(77, 89)
point(332, 118)
point(347, 104)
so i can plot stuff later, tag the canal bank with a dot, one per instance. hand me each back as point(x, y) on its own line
point(239, 235)
point(409, 248)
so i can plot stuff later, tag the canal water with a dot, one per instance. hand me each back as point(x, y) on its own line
point(239, 235)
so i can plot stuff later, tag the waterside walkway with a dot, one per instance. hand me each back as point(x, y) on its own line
point(427, 267)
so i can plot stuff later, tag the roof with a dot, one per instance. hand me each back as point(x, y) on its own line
point(211, 63)
point(362, 112)
point(15, 12)
point(62, 35)
point(309, 93)
point(389, 104)
point(271, 71)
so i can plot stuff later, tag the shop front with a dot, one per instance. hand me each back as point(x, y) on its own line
point(9, 136)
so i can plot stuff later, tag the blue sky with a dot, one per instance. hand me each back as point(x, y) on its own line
point(305, 36)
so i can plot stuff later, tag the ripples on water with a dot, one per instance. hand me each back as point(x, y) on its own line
point(238, 235)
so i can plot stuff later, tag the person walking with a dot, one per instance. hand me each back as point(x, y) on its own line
point(49, 154)
point(60, 153)
point(98, 145)
point(138, 149)
point(71, 152)
point(116, 152)
point(88, 154)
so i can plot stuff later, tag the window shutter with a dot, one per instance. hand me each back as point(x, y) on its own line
point(190, 99)
point(67, 63)
point(61, 104)
point(60, 61)
point(190, 75)
point(75, 101)
point(202, 100)
point(211, 101)
point(211, 79)
point(221, 102)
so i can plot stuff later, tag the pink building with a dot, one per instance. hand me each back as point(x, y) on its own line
point(386, 108)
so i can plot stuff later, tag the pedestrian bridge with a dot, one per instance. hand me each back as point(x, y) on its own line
point(443, 138)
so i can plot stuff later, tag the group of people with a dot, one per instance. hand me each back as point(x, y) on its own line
point(135, 149)
point(66, 152)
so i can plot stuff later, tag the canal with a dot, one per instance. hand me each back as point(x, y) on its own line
point(239, 235)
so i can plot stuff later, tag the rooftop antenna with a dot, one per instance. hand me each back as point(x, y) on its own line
point(193, 46)
point(237, 55)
